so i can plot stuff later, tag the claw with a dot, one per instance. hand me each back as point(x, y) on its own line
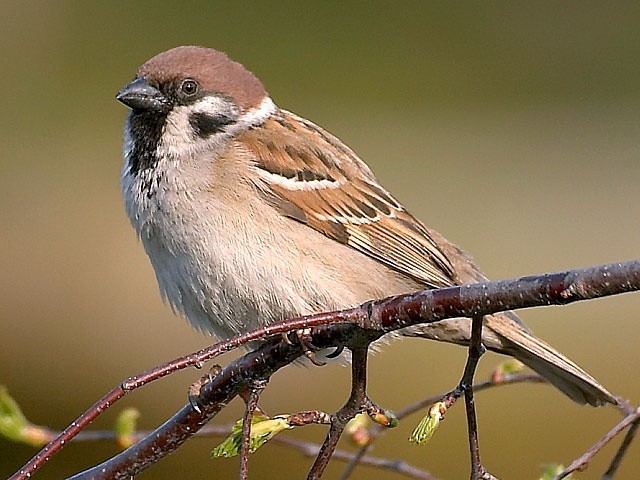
point(196, 387)
point(311, 355)
point(304, 338)
point(336, 352)
point(194, 392)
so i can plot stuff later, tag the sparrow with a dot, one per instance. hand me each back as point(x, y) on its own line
point(251, 214)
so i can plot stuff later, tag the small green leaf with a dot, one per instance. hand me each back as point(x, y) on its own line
point(429, 424)
point(551, 471)
point(263, 429)
point(12, 421)
point(15, 426)
point(125, 427)
point(511, 366)
point(508, 367)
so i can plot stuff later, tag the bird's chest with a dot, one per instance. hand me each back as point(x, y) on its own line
point(213, 263)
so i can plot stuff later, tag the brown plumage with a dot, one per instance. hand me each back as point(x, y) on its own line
point(352, 208)
point(251, 214)
point(214, 70)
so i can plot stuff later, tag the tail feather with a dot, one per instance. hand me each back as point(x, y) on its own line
point(548, 362)
point(505, 333)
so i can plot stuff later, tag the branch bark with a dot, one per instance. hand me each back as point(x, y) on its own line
point(372, 319)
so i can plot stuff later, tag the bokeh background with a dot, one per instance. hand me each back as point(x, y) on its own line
point(511, 127)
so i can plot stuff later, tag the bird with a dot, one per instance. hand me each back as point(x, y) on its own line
point(251, 214)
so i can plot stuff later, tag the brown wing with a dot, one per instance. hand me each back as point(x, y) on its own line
point(312, 177)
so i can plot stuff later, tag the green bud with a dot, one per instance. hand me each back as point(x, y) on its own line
point(15, 426)
point(263, 429)
point(125, 427)
point(429, 424)
point(551, 471)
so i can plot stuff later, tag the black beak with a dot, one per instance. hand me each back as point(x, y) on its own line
point(139, 95)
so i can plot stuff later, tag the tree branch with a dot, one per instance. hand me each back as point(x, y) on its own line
point(374, 319)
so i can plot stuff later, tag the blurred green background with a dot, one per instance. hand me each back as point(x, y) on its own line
point(511, 127)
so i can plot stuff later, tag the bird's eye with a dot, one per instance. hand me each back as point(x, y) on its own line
point(189, 87)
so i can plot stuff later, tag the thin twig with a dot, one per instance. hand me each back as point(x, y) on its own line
point(311, 449)
point(309, 417)
point(351, 408)
point(308, 449)
point(476, 350)
point(298, 419)
point(213, 397)
point(376, 430)
point(622, 450)
point(583, 461)
point(384, 316)
point(356, 460)
point(247, 420)
point(477, 387)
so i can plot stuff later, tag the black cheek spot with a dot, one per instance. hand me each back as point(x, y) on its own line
point(205, 124)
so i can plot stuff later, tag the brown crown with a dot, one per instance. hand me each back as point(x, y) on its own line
point(213, 70)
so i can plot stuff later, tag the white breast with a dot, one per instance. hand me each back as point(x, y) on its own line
point(228, 261)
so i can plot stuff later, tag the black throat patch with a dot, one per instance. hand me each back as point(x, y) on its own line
point(146, 130)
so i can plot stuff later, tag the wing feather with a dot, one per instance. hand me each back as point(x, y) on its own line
point(311, 176)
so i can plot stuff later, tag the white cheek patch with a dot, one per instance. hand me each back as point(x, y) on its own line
point(213, 105)
point(179, 138)
point(176, 137)
point(253, 117)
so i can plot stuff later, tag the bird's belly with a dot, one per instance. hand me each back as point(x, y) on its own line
point(239, 278)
